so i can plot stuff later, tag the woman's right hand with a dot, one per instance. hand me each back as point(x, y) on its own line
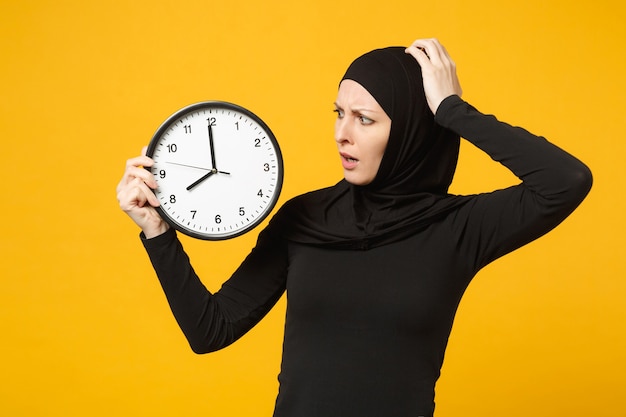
point(136, 198)
point(438, 71)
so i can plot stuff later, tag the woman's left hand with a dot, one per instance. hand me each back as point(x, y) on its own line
point(438, 71)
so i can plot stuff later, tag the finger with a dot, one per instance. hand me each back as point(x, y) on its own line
point(431, 48)
point(145, 192)
point(444, 52)
point(130, 163)
point(149, 194)
point(418, 47)
point(136, 194)
point(419, 54)
point(133, 172)
point(445, 57)
point(140, 161)
point(144, 174)
point(130, 197)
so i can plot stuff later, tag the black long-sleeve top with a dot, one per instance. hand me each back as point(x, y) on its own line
point(366, 331)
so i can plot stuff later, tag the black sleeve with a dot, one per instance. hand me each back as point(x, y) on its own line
point(553, 184)
point(213, 321)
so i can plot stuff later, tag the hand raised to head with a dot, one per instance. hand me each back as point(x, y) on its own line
point(438, 71)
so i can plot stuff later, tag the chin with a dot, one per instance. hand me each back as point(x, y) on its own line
point(357, 179)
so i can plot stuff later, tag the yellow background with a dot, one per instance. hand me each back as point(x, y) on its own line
point(85, 328)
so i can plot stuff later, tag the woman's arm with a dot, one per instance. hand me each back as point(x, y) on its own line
point(553, 181)
point(209, 321)
point(553, 184)
point(552, 174)
point(214, 321)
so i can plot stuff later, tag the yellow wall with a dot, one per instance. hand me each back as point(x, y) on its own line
point(85, 328)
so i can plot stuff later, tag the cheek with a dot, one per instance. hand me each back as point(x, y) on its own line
point(378, 150)
point(379, 145)
point(377, 161)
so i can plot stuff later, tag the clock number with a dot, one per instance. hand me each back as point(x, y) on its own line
point(266, 167)
point(260, 193)
point(237, 124)
point(172, 148)
point(172, 199)
point(242, 212)
point(211, 121)
point(257, 143)
point(187, 128)
point(218, 219)
point(193, 214)
point(162, 173)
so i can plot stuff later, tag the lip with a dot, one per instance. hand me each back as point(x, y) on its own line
point(348, 161)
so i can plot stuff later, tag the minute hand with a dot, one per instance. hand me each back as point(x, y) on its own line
point(212, 147)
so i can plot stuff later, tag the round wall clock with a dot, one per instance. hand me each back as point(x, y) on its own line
point(218, 168)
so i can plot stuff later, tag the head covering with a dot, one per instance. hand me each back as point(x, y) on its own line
point(409, 191)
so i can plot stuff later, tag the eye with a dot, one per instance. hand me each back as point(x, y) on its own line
point(339, 113)
point(365, 120)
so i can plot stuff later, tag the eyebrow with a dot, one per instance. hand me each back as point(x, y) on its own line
point(358, 109)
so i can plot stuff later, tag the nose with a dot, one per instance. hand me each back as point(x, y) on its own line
point(342, 131)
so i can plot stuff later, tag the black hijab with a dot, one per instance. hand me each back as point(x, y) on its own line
point(410, 189)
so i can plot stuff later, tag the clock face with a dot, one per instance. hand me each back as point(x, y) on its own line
point(218, 168)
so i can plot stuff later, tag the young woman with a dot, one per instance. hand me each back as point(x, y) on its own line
point(375, 266)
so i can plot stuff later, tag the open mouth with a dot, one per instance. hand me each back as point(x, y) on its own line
point(348, 162)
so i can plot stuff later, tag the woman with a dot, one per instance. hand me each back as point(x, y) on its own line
point(375, 266)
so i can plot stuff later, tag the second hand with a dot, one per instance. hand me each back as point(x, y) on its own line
point(188, 166)
point(195, 167)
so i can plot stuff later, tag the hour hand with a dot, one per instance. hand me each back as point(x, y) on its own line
point(201, 179)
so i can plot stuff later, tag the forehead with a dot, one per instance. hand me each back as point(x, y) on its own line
point(352, 93)
point(353, 96)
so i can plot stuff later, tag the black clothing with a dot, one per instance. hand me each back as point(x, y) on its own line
point(409, 190)
point(366, 330)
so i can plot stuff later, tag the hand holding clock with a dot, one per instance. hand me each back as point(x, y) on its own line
point(136, 198)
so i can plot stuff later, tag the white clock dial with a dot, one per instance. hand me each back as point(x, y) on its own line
point(218, 168)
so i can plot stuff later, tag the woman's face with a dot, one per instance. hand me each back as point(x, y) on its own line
point(361, 132)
